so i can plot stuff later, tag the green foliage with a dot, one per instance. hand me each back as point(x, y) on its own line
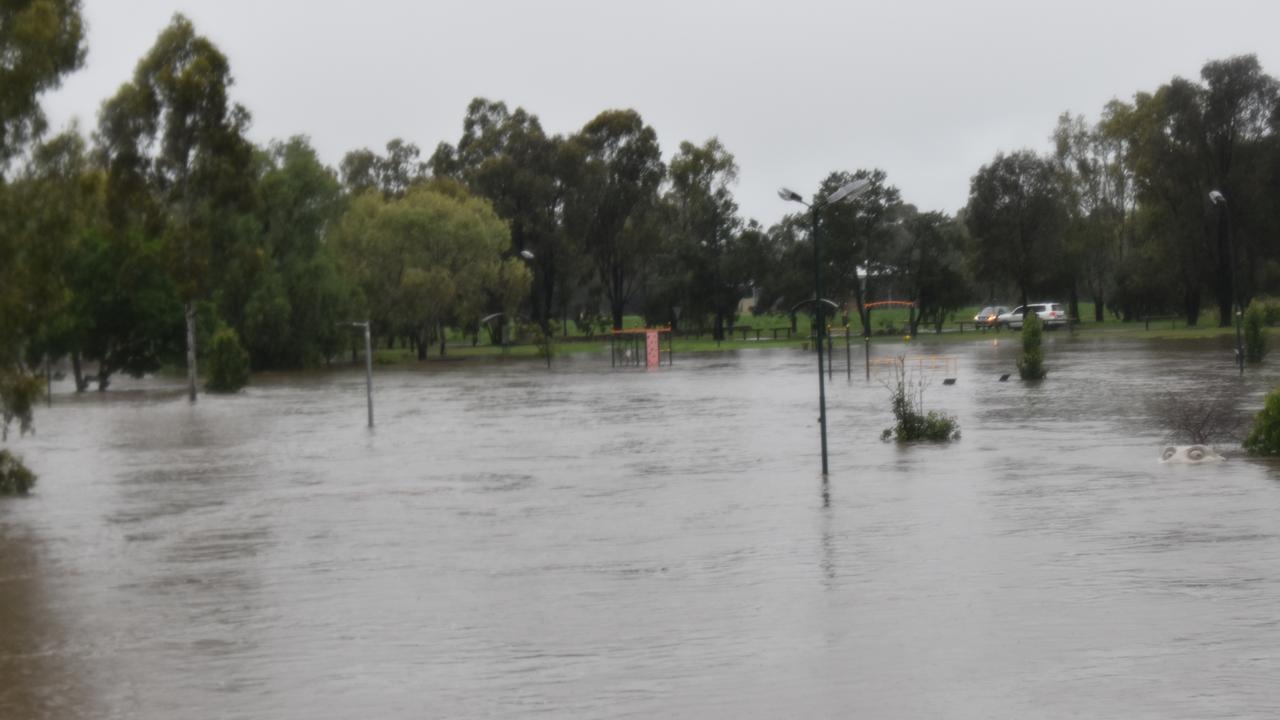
point(427, 258)
point(228, 363)
point(704, 275)
point(1255, 332)
point(40, 41)
point(15, 478)
point(19, 392)
point(1264, 438)
point(913, 423)
point(545, 340)
point(1270, 310)
point(612, 209)
point(1016, 214)
point(1031, 363)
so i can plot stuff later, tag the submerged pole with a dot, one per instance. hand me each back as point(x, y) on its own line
point(368, 369)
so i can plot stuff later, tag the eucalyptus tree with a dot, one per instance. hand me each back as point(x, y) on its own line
point(102, 297)
point(40, 41)
point(1097, 189)
point(392, 174)
point(1016, 216)
point(174, 146)
point(612, 208)
point(1187, 139)
point(298, 294)
point(927, 257)
point(705, 227)
point(856, 236)
point(1239, 103)
point(505, 156)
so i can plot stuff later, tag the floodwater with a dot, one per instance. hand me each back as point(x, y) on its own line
point(511, 542)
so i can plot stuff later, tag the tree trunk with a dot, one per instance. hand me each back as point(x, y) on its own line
point(82, 383)
point(717, 331)
point(420, 343)
point(443, 346)
point(1191, 304)
point(615, 309)
point(1073, 303)
point(191, 353)
point(1097, 307)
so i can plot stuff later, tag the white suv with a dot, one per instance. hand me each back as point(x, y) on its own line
point(1052, 314)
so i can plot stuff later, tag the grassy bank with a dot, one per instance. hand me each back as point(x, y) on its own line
point(890, 325)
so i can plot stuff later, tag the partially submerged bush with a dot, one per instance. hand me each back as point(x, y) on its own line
point(545, 341)
point(228, 362)
point(15, 478)
point(19, 392)
point(1255, 333)
point(1264, 438)
point(913, 423)
point(1031, 363)
point(1199, 418)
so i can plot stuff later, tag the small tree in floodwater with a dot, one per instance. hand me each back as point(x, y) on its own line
point(1199, 418)
point(15, 478)
point(1255, 333)
point(1031, 363)
point(913, 423)
point(228, 363)
point(1264, 438)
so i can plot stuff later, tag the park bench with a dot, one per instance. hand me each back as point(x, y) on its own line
point(1146, 320)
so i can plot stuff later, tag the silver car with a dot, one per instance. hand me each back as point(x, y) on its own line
point(1052, 314)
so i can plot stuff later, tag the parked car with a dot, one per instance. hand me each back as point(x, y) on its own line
point(988, 315)
point(1052, 314)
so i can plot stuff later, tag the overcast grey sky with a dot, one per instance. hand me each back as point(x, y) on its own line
point(928, 90)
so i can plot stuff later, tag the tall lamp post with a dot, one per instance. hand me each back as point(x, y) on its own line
point(1237, 309)
point(847, 192)
point(368, 364)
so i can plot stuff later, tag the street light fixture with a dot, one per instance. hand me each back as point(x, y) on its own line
point(1220, 200)
point(846, 192)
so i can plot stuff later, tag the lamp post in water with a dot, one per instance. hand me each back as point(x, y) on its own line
point(846, 192)
point(1237, 308)
point(368, 364)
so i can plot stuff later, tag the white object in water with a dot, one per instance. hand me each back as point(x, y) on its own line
point(1189, 454)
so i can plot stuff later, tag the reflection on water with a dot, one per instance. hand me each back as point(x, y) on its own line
point(586, 542)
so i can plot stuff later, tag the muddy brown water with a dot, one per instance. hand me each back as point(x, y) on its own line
point(511, 542)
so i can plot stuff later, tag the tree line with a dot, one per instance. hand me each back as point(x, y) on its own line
point(126, 248)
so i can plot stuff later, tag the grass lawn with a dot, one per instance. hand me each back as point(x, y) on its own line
point(889, 323)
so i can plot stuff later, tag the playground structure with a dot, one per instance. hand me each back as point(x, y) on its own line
point(627, 347)
point(923, 365)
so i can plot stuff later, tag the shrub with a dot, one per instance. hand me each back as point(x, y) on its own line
point(1031, 363)
point(1199, 418)
point(1255, 334)
point(19, 392)
point(913, 423)
point(228, 362)
point(15, 478)
point(545, 341)
point(1264, 438)
point(1270, 309)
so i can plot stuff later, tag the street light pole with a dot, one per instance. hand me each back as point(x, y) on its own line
point(368, 364)
point(850, 190)
point(1237, 309)
point(822, 325)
